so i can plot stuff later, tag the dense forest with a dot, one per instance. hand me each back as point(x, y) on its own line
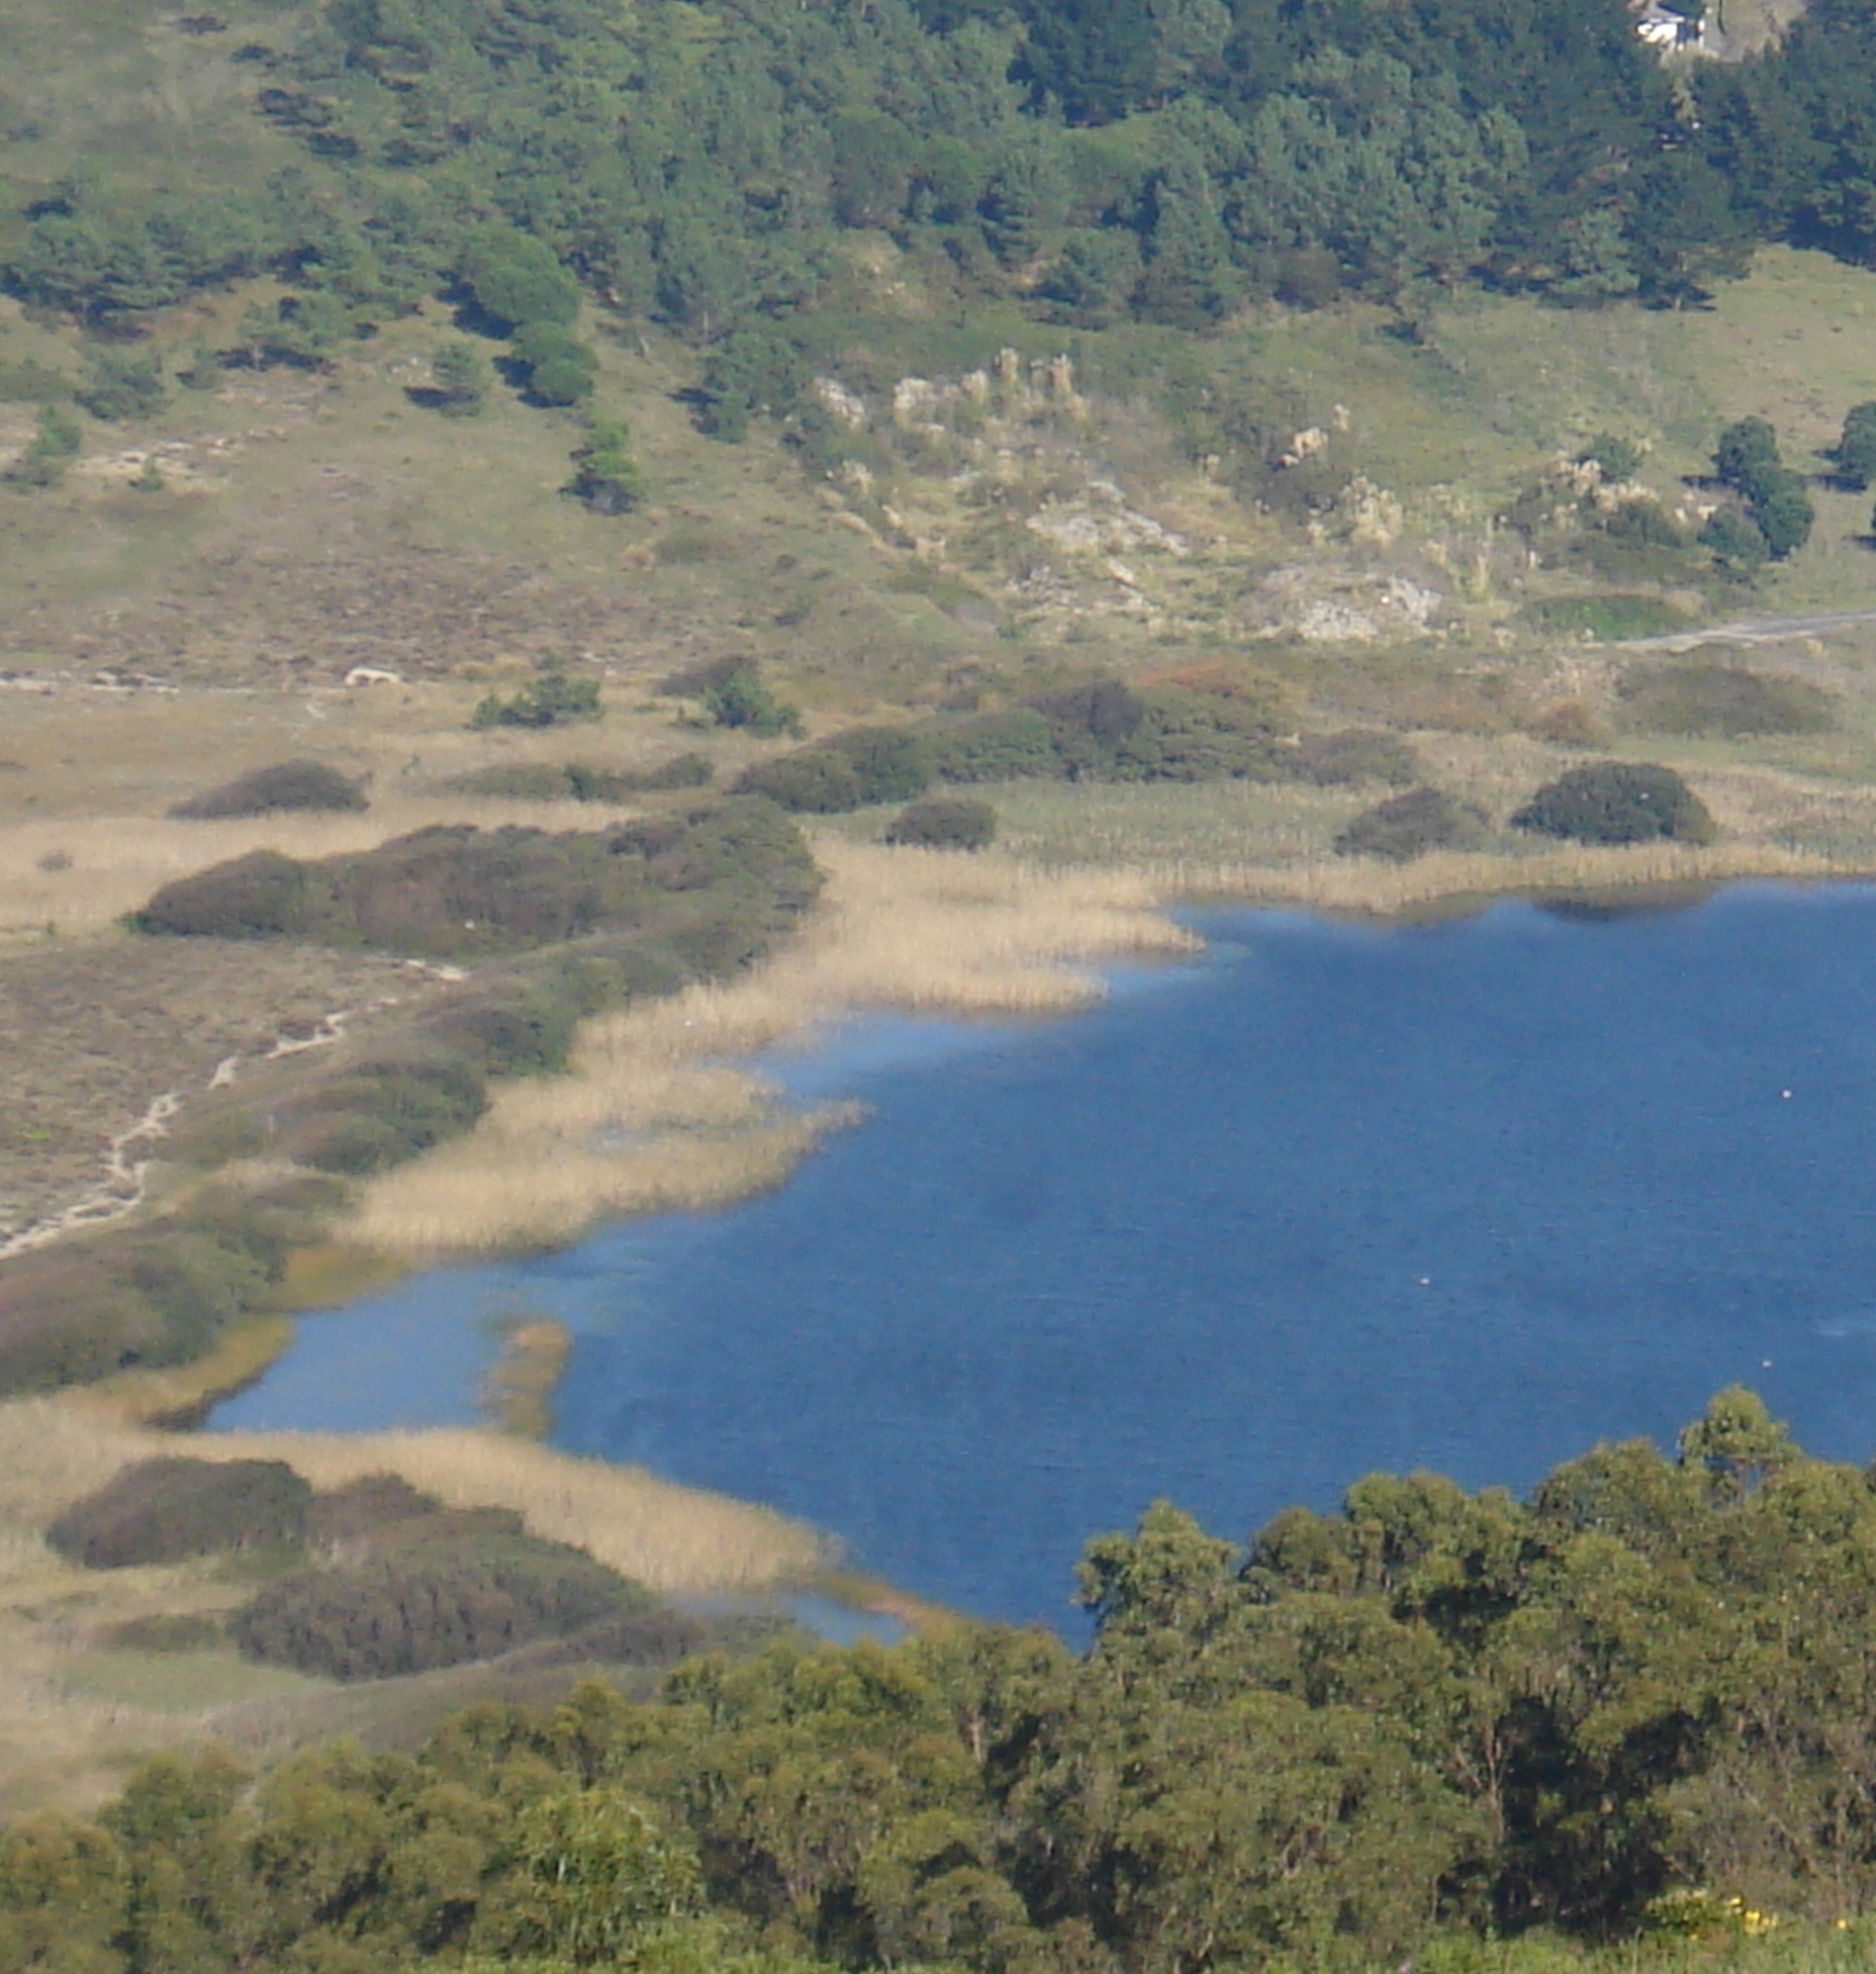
point(1091, 162)
point(1635, 1705)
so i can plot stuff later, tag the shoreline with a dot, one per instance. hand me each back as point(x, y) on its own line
point(702, 1094)
point(1113, 914)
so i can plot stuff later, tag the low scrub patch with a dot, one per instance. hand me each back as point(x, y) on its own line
point(574, 781)
point(162, 1511)
point(1724, 701)
point(1409, 825)
point(1618, 802)
point(144, 1296)
point(454, 892)
point(554, 697)
point(286, 787)
point(945, 823)
point(441, 1597)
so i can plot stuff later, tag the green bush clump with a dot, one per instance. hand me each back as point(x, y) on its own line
point(162, 1511)
point(1089, 724)
point(518, 279)
point(1188, 736)
point(553, 696)
point(152, 1295)
point(889, 763)
point(1618, 802)
point(1409, 825)
point(606, 478)
point(1619, 458)
point(261, 896)
point(944, 822)
point(56, 444)
point(1011, 746)
point(379, 1114)
point(816, 781)
point(574, 781)
point(1727, 701)
point(1855, 450)
point(1356, 754)
point(432, 1598)
point(123, 384)
point(288, 785)
point(732, 693)
point(351, 1517)
point(559, 369)
point(453, 891)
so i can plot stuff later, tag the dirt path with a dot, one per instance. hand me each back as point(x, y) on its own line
point(1752, 630)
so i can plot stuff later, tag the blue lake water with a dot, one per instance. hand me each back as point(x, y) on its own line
point(1466, 1196)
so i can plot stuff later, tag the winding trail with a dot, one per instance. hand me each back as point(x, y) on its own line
point(126, 1179)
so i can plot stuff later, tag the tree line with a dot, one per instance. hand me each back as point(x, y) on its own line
point(1096, 160)
point(1637, 1702)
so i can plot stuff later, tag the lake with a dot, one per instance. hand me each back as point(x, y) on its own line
point(1465, 1196)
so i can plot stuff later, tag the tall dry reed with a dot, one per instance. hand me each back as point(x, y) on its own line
point(680, 1541)
point(651, 1118)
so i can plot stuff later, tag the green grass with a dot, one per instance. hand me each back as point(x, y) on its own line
point(181, 1682)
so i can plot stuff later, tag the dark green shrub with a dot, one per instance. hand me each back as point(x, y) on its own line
point(291, 785)
point(536, 343)
point(516, 278)
point(1855, 451)
point(945, 823)
point(511, 1029)
point(352, 1517)
point(888, 762)
point(461, 378)
point(1409, 825)
point(519, 780)
point(56, 444)
point(1619, 458)
point(1647, 524)
point(440, 1600)
point(123, 384)
point(162, 1511)
point(261, 896)
point(551, 780)
point(734, 694)
point(816, 781)
point(1188, 736)
point(1784, 515)
point(606, 477)
point(748, 848)
point(1618, 802)
point(1356, 754)
point(1734, 540)
point(1089, 724)
point(552, 698)
point(991, 746)
point(67, 1316)
point(379, 1114)
point(1723, 700)
point(196, 1285)
point(563, 381)
point(1746, 456)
